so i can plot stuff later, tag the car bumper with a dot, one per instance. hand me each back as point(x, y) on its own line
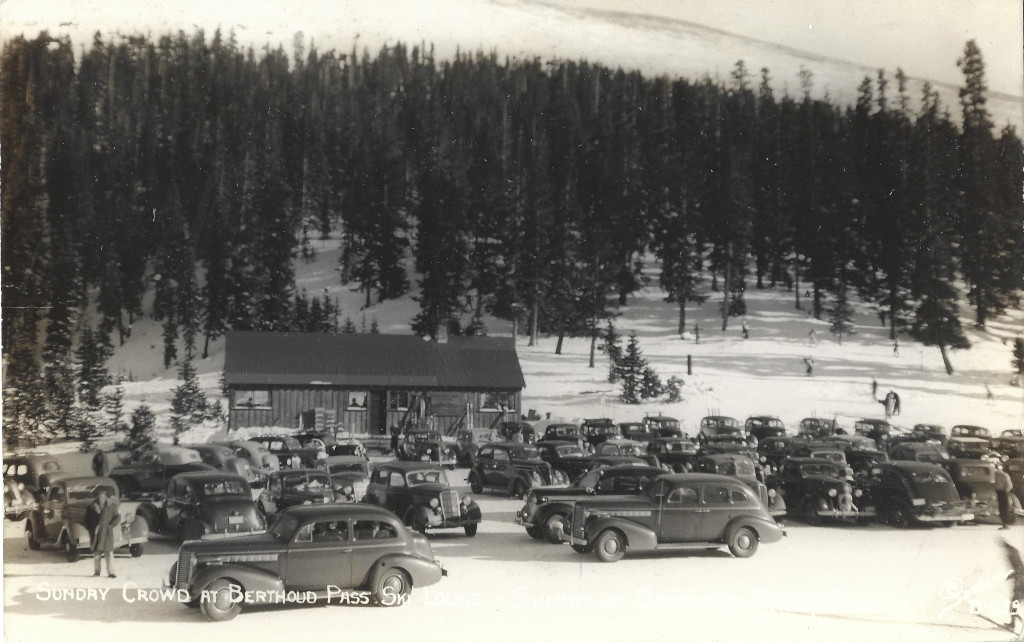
point(965, 517)
point(842, 514)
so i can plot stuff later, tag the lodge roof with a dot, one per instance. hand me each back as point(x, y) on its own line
point(311, 359)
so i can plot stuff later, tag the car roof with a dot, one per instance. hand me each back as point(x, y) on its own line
point(406, 466)
point(507, 445)
point(295, 472)
point(631, 469)
point(701, 478)
point(207, 475)
point(622, 441)
point(910, 466)
point(342, 459)
point(727, 457)
point(340, 511)
point(660, 418)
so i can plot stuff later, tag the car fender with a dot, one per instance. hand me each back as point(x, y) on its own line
point(33, 523)
point(638, 536)
point(473, 511)
point(422, 572)
point(545, 510)
point(77, 533)
point(150, 515)
point(250, 579)
point(767, 529)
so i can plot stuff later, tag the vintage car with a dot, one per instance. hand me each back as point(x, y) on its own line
point(287, 488)
point(419, 493)
point(350, 475)
point(17, 500)
point(1009, 443)
point(204, 504)
point(763, 426)
point(627, 448)
point(729, 445)
point(565, 456)
point(427, 445)
point(547, 510)
point(323, 549)
point(878, 429)
point(224, 458)
point(908, 492)
point(33, 472)
point(512, 468)
point(147, 471)
point(860, 452)
point(677, 453)
point(922, 451)
point(972, 448)
point(678, 512)
point(720, 426)
point(818, 427)
point(597, 430)
point(664, 426)
point(59, 518)
point(635, 430)
point(289, 452)
point(827, 452)
point(259, 456)
point(922, 432)
point(351, 447)
point(975, 482)
point(775, 450)
point(322, 441)
point(979, 432)
point(750, 473)
point(468, 442)
point(816, 489)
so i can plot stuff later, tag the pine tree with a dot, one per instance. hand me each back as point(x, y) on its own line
point(374, 327)
point(936, 320)
point(611, 346)
point(92, 373)
point(673, 387)
point(840, 313)
point(650, 384)
point(1017, 359)
point(631, 369)
point(349, 327)
point(189, 405)
point(142, 427)
point(113, 406)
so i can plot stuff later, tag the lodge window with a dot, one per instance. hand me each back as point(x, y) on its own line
point(497, 401)
point(399, 399)
point(252, 399)
point(356, 400)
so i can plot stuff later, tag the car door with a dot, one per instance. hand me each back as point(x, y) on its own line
point(173, 505)
point(376, 492)
point(681, 514)
point(320, 555)
point(398, 497)
point(718, 510)
point(53, 511)
point(371, 539)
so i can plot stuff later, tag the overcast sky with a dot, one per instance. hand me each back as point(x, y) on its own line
point(924, 37)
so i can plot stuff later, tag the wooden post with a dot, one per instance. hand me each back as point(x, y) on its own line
point(689, 365)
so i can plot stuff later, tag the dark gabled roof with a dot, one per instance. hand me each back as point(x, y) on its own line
point(308, 358)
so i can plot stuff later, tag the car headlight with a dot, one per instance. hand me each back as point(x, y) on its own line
point(21, 486)
point(832, 492)
point(430, 451)
point(858, 493)
point(918, 501)
point(307, 502)
point(771, 492)
point(434, 503)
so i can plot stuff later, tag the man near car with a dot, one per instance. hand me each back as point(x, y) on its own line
point(1003, 486)
point(100, 519)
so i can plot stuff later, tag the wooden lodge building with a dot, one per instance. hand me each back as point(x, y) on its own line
point(365, 383)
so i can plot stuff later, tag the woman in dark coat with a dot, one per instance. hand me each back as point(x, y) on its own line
point(100, 519)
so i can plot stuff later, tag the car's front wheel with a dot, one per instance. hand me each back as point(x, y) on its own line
point(519, 489)
point(30, 538)
point(220, 600)
point(743, 542)
point(474, 484)
point(71, 552)
point(610, 546)
point(554, 526)
point(135, 550)
point(535, 532)
point(392, 587)
point(811, 515)
point(900, 516)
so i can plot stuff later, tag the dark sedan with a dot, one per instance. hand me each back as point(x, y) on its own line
point(201, 504)
point(419, 493)
point(287, 488)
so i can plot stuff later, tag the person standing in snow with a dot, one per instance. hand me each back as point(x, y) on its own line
point(100, 519)
point(813, 337)
point(746, 330)
point(809, 362)
point(696, 332)
point(896, 347)
point(1003, 487)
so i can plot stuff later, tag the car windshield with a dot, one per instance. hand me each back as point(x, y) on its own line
point(969, 446)
point(49, 467)
point(351, 467)
point(426, 476)
point(569, 450)
point(604, 430)
point(632, 450)
point(589, 480)
point(821, 470)
point(525, 454)
point(225, 487)
point(283, 527)
point(739, 467)
point(975, 473)
point(88, 490)
point(831, 456)
point(635, 428)
point(563, 431)
point(666, 424)
point(927, 477)
point(307, 482)
point(679, 446)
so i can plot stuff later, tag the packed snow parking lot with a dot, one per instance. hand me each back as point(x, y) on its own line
point(835, 582)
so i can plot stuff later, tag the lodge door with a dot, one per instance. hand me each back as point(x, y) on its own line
point(377, 414)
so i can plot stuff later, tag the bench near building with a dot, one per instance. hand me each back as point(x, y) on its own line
point(365, 383)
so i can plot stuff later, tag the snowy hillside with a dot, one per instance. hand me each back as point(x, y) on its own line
point(764, 374)
point(678, 39)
